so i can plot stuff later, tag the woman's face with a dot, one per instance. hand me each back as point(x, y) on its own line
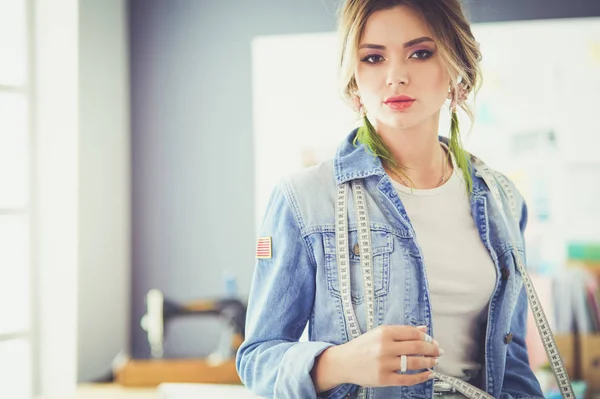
point(398, 60)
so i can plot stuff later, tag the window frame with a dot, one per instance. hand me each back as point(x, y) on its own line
point(28, 210)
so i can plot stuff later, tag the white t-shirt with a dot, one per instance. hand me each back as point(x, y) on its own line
point(460, 271)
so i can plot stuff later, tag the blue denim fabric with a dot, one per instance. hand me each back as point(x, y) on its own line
point(299, 284)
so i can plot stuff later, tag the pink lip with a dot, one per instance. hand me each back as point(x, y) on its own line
point(398, 99)
point(399, 102)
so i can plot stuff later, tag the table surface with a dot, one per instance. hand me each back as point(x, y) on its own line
point(164, 391)
point(104, 391)
point(200, 391)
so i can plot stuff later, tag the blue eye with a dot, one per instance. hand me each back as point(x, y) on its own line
point(422, 54)
point(372, 59)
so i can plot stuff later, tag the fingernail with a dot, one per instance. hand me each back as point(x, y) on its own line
point(431, 376)
point(441, 352)
point(437, 361)
point(422, 328)
point(436, 343)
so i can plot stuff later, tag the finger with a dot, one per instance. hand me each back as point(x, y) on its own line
point(405, 333)
point(422, 348)
point(394, 379)
point(412, 363)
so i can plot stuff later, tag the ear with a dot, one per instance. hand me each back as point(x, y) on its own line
point(356, 104)
point(458, 95)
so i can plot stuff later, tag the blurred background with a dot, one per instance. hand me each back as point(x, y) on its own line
point(140, 140)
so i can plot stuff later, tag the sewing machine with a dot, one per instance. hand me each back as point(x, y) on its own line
point(218, 367)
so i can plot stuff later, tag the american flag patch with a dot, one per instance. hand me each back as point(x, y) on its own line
point(263, 249)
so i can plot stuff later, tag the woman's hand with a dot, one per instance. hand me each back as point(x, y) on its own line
point(374, 359)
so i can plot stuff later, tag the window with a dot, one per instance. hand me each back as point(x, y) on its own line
point(15, 201)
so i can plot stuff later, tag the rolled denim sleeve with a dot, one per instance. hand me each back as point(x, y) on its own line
point(271, 362)
point(519, 380)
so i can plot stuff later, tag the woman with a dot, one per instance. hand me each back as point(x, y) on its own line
point(427, 254)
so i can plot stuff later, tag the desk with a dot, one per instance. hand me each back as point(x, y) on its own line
point(204, 391)
point(164, 391)
point(106, 391)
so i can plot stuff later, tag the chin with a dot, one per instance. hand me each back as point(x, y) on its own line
point(400, 122)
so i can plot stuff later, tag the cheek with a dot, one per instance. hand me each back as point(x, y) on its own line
point(369, 77)
point(370, 82)
point(436, 79)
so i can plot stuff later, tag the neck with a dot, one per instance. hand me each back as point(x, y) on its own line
point(417, 153)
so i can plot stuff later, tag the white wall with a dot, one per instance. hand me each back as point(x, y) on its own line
point(56, 140)
point(82, 173)
point(526, 89)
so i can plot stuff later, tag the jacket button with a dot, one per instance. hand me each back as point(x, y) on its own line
point(505, 273)
point(356, 250)
point(508, 339)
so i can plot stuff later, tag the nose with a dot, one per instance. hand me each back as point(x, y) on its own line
point(397, 75)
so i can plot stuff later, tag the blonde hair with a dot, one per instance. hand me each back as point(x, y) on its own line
point(450, 29)
point(456, 45)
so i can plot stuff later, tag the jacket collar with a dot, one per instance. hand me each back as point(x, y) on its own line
point(356, 162)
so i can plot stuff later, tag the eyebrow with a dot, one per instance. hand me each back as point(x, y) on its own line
point(406, 45)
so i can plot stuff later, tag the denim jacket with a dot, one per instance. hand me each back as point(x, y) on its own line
point(299, 283)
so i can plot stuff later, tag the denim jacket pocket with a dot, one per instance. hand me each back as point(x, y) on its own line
point(382, 242)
